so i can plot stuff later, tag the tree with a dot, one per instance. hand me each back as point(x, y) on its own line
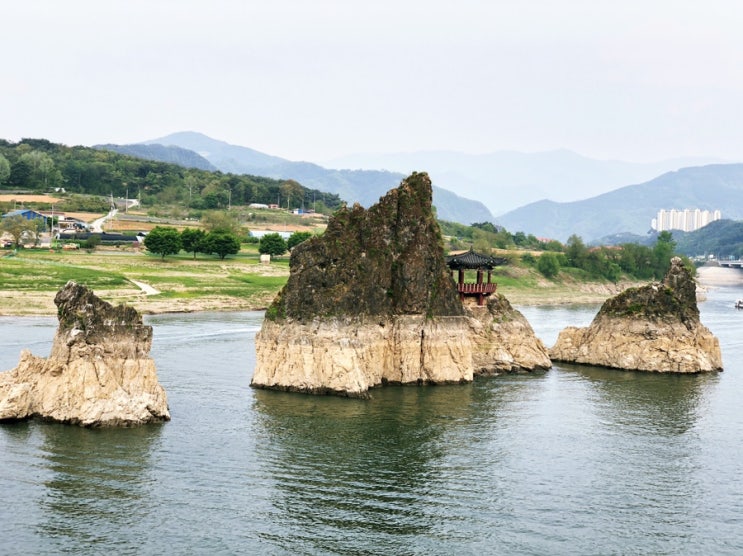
point(16, 226)
point(93, 241)
point(4, 169)
point(296, 238)
point(291, 189)
point(38, 227)
point(163, 240)
point(548, 265)
point(662, 253)
point(486, 226)
point(576, 252)
point(272, 244)
point(41, 165)
point(221, 243)
point(192, 239)
point(222, 221)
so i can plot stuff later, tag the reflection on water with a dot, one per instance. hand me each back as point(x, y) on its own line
point(99, 479)
point(576, 460)
point(346, 470)
point(639, 401)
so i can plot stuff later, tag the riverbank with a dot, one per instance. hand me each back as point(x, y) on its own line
point(30, 280)
point(718, 277)
point(148, 299)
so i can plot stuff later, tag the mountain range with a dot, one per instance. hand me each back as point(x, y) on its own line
point(362, 186)
point(587, 209)
point(506, 180)
point(631, 208)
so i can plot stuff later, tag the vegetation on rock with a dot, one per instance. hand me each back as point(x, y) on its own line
point(672, 299)
point(386, 260)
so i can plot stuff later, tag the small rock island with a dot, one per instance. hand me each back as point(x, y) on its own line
point(99, 372)
point(651, 328)
point(372, 302)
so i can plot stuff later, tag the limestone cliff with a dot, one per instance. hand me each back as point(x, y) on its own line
point(652, 328)
point(504, 341)
point(99, 372)
point(370, 302)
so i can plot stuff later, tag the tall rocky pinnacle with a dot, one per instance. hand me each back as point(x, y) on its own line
point(651, 328)
point(372, 302)
point(387, 260)
point(99, 372)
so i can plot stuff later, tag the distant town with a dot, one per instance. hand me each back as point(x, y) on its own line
point(686, 220)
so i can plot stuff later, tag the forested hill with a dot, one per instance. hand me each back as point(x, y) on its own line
point(38, 165)
point(722, 238)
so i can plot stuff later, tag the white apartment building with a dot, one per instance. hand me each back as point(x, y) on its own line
point(687, 220)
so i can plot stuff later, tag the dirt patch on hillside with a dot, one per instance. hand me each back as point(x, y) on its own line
point(29, 199)
point(84, 216)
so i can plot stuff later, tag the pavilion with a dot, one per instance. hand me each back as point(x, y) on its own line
point(470, 260)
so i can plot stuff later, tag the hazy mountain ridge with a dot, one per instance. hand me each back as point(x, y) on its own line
point(362, 186)
point(505, 180)
point(631, 208)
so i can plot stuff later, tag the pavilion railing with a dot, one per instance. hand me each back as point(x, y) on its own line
point(476, 288)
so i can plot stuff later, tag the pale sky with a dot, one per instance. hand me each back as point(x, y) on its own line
point(636, 80)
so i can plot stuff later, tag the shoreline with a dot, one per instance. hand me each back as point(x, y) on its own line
point(41, 304)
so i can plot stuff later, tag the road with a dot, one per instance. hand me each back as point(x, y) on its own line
point(97, 225)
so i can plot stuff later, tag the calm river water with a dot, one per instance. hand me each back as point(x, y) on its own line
point(576, 460)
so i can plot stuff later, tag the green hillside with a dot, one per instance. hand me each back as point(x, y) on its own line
point(722, 239)
point(37, 165)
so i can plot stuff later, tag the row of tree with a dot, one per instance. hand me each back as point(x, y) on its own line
point(165, 240)
point(221, 241)
point(639, 261)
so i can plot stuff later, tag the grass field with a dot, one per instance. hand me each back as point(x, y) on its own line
point(30, 279)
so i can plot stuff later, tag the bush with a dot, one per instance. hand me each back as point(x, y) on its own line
point(548, 265)
point(272, 244)
point(296, 238)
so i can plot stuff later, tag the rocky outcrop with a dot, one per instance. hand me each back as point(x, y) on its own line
point(503, 340)
point(371, 302)
point(99, 372)
point(350, 356)
point(652, 328)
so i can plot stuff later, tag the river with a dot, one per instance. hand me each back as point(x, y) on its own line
point(575, 460)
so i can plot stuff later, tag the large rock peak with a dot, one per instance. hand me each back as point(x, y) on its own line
point(384, 261)
point(372, 302)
